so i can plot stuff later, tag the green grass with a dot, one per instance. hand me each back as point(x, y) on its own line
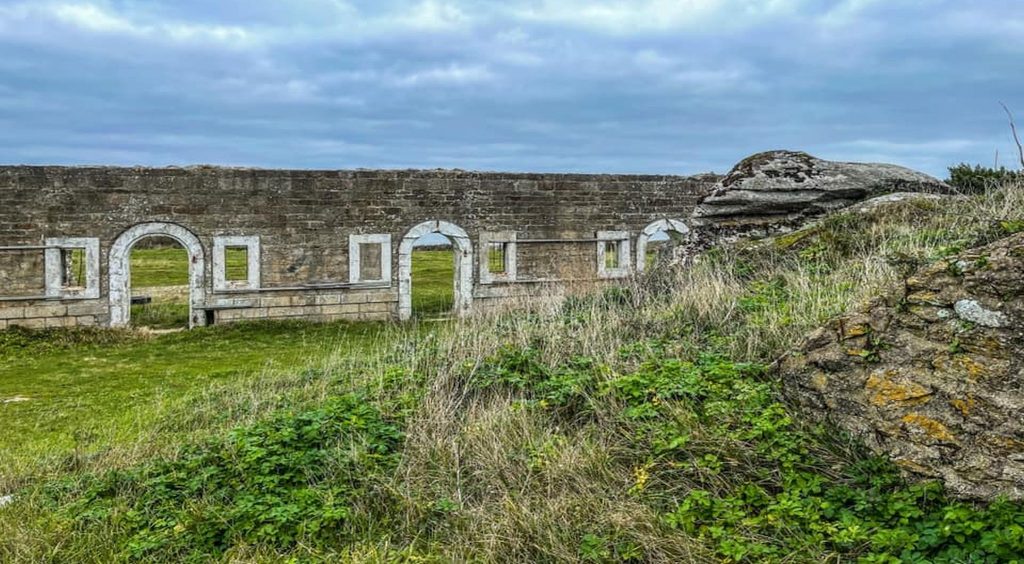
point(160, 266)
point(96, 393)
point(159, 315)
point(168, 266)
point(433, 281)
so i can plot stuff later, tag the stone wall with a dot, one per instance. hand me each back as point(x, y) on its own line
point(297, 226)
point(932, 375)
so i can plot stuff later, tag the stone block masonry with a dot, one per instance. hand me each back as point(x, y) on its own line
point(320, 244)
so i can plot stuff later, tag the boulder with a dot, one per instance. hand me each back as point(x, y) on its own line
point(931, 375)
point(779, 189)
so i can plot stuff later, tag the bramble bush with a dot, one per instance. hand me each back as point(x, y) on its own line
point(717, 453)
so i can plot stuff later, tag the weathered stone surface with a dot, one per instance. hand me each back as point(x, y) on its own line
point(784, 187)
point(872, 204)
point(932, 375)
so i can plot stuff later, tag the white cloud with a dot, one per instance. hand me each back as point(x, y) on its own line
point(432, 15)
point(628, 17)
point(100, 20)
point(452, 74)
point(92, 18)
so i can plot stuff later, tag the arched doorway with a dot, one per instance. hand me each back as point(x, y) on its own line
point(121, 276)
point(463, 279)
point(655, 234)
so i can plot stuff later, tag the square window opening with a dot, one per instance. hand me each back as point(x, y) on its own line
point(236, 260)
point(497, 257)
point(370, 264)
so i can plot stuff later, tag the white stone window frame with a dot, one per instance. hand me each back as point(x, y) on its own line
point(220, 263)
point(621, 241)
point(508, 238)
point(355, 257)
point(663, 225)
point(54, 267)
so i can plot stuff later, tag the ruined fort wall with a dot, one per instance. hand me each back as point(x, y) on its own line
point(301, 222)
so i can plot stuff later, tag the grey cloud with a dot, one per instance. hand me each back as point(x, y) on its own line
point(514, 86)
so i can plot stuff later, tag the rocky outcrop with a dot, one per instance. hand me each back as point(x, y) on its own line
point(778, 189)
point(933, 375)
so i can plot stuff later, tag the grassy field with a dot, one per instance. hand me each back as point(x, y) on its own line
point(97, 390)
point(433, 274)
point(634, 424)
point(168, 266)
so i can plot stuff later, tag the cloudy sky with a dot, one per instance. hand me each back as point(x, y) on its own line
point(661, 86)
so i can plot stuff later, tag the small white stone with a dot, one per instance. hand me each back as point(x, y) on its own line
point(971, 310)
point(5, 499)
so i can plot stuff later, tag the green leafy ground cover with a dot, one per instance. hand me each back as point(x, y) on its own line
point(636, 423)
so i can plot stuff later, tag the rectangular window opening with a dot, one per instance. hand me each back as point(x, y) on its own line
point(236, 261)
point(370, 264)
point(497, 257)
point(72, 268)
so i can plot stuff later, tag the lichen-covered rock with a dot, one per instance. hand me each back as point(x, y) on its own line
point(931, 375)
point(780, 188)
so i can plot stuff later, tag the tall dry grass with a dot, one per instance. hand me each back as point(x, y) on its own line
point(526, 486)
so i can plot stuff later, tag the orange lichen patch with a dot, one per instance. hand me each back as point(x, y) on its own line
point(973, 368)
point(991, 345)
point(1009, 445)
point(923, 297)
point(886, 390)
point(964, 406)
point(932, 428)
point(857, 330)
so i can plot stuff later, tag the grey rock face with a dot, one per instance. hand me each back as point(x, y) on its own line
point(784, 187)
point(971, 310)
point(932, 375)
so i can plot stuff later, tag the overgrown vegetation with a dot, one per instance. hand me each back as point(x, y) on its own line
point(627, 424)
point(288, 480)
point(975, 179)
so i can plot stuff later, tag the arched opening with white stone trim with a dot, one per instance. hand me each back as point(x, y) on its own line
point(463, 279)
point(121, 275)
point(661, 230)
